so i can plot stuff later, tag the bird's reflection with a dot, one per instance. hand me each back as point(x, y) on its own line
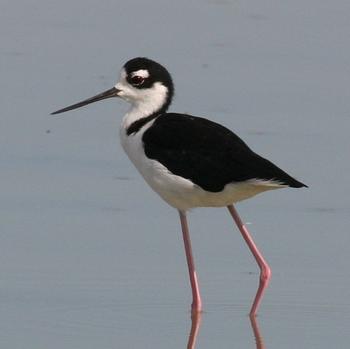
point(257, 334)
point(196, 323)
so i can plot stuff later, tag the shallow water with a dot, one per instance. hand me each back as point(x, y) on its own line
point(90, 257)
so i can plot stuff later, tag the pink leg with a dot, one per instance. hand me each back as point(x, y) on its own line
point(265, 271)
point(196, 323)
point(197, 302)
point(257, 335)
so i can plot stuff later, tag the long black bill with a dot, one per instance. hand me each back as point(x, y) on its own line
point(113, 92)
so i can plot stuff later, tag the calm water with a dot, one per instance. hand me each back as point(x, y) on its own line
point(90, 257)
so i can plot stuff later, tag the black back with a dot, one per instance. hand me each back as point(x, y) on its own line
point(208, 154)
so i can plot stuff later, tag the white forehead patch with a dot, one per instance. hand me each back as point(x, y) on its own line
point(142, 72)
point(123, 74)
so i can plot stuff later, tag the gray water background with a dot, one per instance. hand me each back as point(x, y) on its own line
point(90, 257)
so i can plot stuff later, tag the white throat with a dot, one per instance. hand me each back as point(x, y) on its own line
point(144, 102)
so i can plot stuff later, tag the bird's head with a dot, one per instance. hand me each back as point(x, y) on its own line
point(144, 83)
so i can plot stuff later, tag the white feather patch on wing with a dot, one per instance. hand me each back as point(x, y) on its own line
point(267, 182)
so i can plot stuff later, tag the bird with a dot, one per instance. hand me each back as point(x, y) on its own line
point(189, 161)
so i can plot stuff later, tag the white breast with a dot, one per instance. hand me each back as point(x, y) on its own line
point(170, 187)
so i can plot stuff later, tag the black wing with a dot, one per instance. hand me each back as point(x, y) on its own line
point(208, 154)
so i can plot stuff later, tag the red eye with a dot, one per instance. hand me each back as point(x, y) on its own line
point(137, 80)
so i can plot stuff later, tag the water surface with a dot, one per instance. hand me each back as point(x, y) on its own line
point(90, 257)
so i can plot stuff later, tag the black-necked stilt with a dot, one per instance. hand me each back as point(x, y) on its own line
point(189, 161)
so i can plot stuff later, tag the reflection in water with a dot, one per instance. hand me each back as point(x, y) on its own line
point(257, 334)
point(196, 323)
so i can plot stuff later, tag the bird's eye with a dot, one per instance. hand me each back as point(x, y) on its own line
point(137, 80)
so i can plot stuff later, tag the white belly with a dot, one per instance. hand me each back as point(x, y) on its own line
point(179, 192)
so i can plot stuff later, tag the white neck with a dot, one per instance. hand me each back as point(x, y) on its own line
point(148, 101)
